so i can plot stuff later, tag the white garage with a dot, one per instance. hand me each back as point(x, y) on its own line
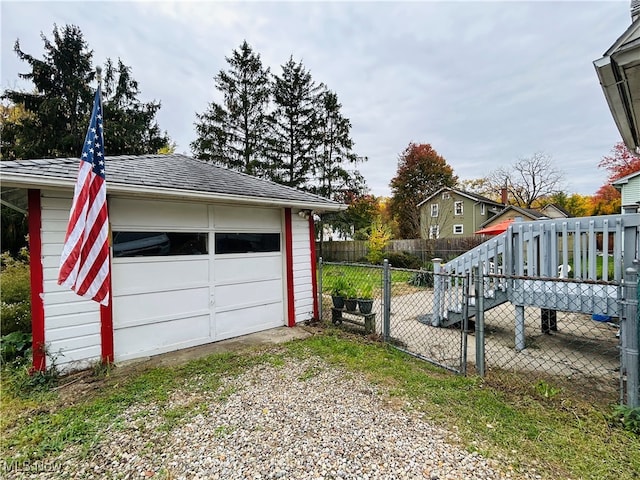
point(199, 254)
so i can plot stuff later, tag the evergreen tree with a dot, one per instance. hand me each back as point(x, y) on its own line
point(60, 103)
point(51, 119)
point(232, 134)
point(130, 125)
point(294, 126)
point(335, 146)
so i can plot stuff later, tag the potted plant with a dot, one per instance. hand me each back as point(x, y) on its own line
point(338, 292)
point(365, 301)
point(351, 300)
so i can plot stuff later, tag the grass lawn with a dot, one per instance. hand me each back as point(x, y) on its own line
point(361, 276)
point(523, 426)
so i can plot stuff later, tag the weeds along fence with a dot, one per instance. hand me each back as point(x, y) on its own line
point(548, 350)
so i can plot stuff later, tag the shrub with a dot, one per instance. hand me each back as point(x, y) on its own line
point(14, 345)
point(15, 313)
point(628, 417)
point(422, 279)
point(378, 239)
point(404, 260)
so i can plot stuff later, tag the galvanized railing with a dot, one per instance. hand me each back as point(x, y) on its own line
point(578, 250)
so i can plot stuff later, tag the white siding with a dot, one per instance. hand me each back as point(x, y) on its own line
point(302, 280)
point(71, 323)
point(631, 192)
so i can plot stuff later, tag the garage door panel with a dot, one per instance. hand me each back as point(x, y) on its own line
point(248, 320)
point(134, 276)
point(147, 307)
point(158, 215)
point(248, 294)
point(229, 218)
point(132, 342)
point(236, 268)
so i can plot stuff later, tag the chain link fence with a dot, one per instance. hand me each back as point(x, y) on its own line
point(509, 339)
point(570, 349)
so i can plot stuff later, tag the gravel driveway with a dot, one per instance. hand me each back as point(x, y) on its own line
point(301, 420)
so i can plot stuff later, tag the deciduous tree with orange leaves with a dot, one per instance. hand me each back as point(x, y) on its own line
point(421, 171)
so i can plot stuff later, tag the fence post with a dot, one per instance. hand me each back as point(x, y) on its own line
point(386, 300)
point(319, 292)
point(629, 336)
point(479, 294)
point(438, 292)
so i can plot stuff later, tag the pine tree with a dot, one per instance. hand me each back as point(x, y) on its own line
point(61, 101)
point(232, 134)
point(130, 125)
point(335, 147)
point(51, 119)
point(293, 135)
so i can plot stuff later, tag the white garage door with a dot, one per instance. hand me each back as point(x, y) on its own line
point(171, 287)
point(248, 270)
point(161, 288)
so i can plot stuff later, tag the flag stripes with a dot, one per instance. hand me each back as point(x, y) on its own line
point(85, 262)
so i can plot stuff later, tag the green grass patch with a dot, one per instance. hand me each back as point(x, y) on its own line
point(361, 277)
point(525, 425)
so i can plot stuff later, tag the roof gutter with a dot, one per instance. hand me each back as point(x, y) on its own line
point(31, 181)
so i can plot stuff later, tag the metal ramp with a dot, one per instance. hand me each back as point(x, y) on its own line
point(551, 264)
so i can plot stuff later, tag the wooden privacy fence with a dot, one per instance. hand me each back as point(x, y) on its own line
point(426, 250)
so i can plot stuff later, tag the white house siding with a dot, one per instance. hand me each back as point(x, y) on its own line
point(302, 280)
point(72, 324)
point(160, 303)
point(631, 192)
point(248, 287)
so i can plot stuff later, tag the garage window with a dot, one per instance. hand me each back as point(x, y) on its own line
point(247, 242)
point(148, 244)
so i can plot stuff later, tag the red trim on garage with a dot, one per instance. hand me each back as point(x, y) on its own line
point(106, 326)
point(37, 280)
point(314, 278)
point(288, 238)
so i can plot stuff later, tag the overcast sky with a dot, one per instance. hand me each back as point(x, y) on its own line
point(485, 83)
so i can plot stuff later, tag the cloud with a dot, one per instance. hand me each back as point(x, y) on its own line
point(485, 83)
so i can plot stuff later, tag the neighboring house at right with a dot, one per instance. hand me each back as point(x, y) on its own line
point(512, 212)
point(629, 187)
point(452, 213)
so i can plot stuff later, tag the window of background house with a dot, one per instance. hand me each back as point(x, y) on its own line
point(446, 195)
point(458, 229)
point(434, 231)
point(458, 208)
point(434, 209)
point(482, 209)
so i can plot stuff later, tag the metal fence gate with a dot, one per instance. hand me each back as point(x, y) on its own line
point(594, 356)
point(403, 300)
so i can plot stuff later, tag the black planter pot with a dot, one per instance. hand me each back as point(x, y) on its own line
point(351, 304)
point(338, 302)
point(365, 306)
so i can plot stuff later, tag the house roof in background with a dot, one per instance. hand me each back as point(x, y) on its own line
point(624, 180)
point(172, 175)
point(473, 196)
point(526, 212)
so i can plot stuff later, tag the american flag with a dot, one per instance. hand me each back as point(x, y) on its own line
point(84, 264)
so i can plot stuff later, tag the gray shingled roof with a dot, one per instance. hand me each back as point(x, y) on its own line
point(166, 172)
